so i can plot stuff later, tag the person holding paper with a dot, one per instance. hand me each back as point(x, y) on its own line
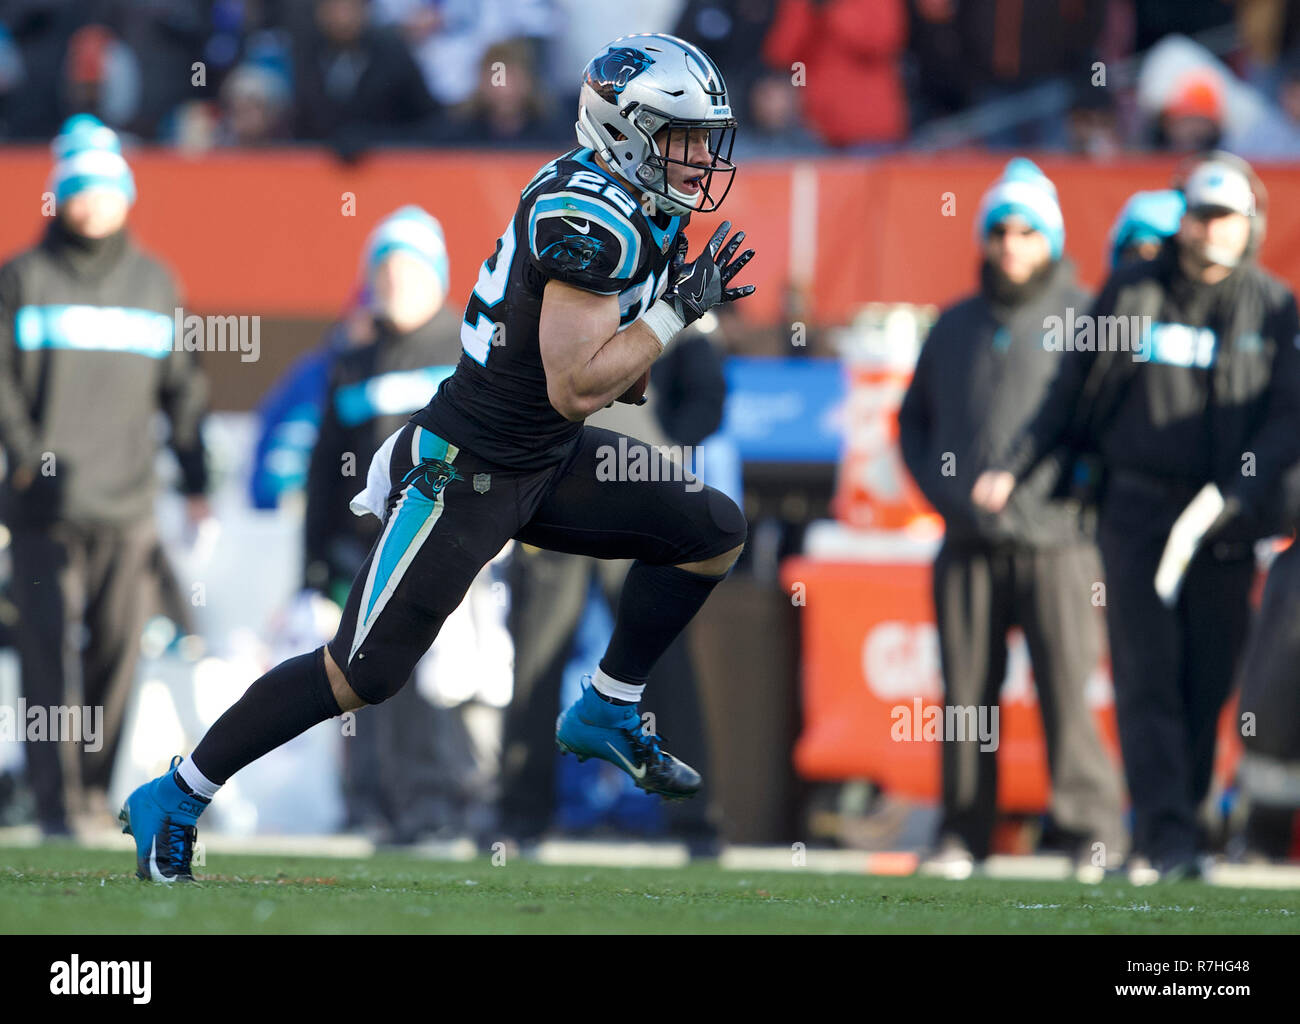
point(1184, 381)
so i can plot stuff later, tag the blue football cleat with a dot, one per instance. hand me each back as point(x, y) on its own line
point(593, 727)
point(162, 818)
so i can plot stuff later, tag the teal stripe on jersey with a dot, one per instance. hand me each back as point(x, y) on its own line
point(87, 328)
point(388, 394)
point(582, 206)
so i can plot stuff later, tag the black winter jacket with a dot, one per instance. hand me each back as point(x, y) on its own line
point(982, 374)
point(1214, 396)
point(87, 359)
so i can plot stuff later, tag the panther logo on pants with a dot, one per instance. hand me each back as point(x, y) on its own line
point(431, 476)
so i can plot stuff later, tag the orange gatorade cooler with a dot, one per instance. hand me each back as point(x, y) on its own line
point(873, 489)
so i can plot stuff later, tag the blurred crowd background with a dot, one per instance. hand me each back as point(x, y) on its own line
point(227, 113)
point(1094, 77)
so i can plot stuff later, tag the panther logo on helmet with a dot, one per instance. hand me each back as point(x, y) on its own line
point(643, 99)
point(609, 74)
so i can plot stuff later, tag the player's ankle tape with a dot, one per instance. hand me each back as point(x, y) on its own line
point(617, 689)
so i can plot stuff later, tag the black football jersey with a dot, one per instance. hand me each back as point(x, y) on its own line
point(579, 224)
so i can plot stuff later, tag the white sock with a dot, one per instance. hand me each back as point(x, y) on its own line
point(616, 688)
point(196, 780)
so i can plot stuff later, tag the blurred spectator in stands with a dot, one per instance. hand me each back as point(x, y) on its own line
point(165, 39)
point(937, 80)
point(254, 110)
point(40, 31)
point(1156, 19)
point(102, 76)
point(1011, 47)
point(731, 32)
point(12, 75)
point(74, 60)
point(1094, 124)
point(509, 108)
point(844, 56)
point(584, 26)
point(230, 23)
point(448, 38)
point(192, 127)
point(255, 107)
point(1288, 92)
point(774, 125)
point(1269, 31)
point(1192, 118)
point(355, 85)
point(1186, 94)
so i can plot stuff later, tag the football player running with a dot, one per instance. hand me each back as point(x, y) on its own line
point(587, 285)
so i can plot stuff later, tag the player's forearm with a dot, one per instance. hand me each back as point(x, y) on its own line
point(611, 370)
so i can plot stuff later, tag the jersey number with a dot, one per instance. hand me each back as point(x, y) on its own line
point(478, 330)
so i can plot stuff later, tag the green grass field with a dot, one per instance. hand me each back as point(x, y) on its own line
point(71, 890)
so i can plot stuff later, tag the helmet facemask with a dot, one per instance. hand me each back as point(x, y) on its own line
point(653, 174)
point(647, 84)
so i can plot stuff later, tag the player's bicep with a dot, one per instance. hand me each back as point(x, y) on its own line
point(574, 324)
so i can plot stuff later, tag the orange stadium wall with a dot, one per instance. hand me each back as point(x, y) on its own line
point(266, 232)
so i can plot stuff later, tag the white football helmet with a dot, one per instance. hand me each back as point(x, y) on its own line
point(640, 84)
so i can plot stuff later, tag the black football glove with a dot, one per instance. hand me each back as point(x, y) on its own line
point(697, 287)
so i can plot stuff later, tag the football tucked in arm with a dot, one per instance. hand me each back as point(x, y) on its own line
point(635, 394)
